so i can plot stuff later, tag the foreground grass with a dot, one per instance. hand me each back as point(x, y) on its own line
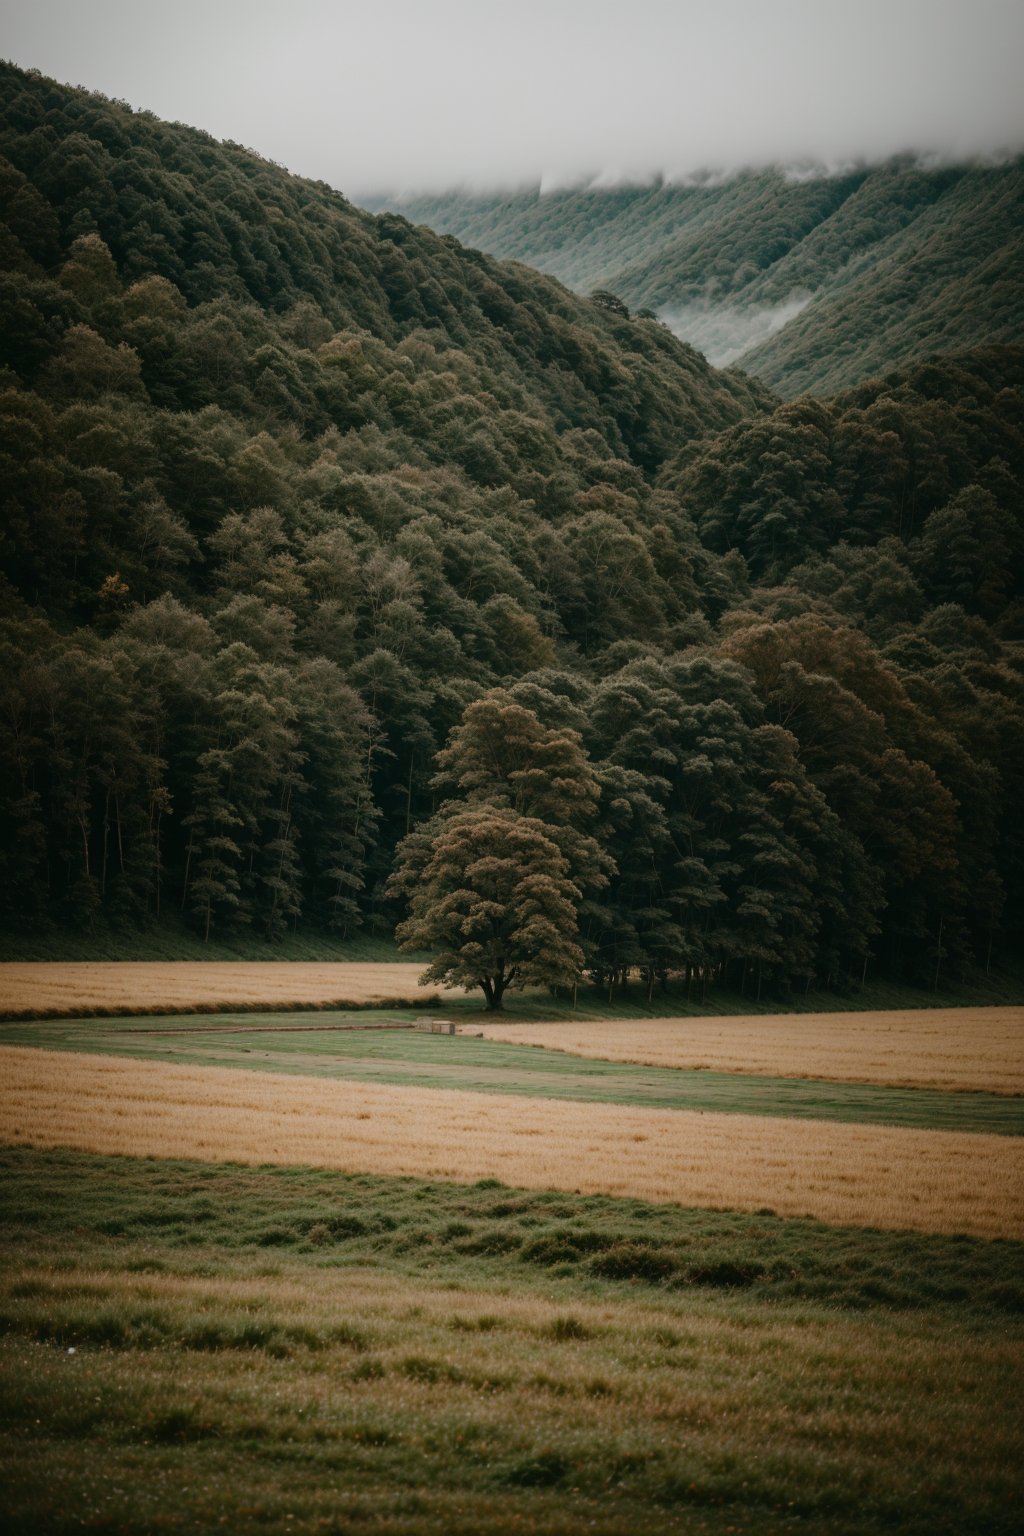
point(288, 1349)
point(332, 1046)
point(187, 1217)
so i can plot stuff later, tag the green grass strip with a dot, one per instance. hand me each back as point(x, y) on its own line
point(303, 1046)
point(144, 1212)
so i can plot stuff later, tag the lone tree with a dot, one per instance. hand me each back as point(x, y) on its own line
point(610, 301)
point(494, 881)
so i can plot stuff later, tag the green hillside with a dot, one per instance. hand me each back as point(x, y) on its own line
point(322, 530)
point(810, 283)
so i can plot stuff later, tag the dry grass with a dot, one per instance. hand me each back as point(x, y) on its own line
point(951, 1048)
point(76, 987)
point(932, 1181)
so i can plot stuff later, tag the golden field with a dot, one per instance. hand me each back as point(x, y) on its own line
point(76, 986)
point(934, 1181)
point(949, 1048)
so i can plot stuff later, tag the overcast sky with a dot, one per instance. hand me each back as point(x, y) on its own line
point(405, 95)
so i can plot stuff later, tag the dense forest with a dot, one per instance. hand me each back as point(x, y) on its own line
point(811, 281)
point(325, 537)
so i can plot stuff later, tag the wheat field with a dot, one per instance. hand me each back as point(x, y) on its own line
point(949, 1048)
point(83, 986)
point(934, 1181)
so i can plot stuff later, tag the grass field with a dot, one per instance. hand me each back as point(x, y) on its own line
point(334, 1046)
point(190, 1346)
point(847, 1174)
point(960, 1048)
point(70, 988)
point(155, 986)
point(293, 1273)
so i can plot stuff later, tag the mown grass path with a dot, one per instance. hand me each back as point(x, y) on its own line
point(273, 1043)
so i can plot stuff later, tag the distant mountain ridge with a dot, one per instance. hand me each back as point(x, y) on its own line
point(811, 283)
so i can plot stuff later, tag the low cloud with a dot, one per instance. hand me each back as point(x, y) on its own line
point(724, 332)
point(425, 97)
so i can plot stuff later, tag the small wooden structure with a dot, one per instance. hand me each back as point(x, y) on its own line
point(435, 1026)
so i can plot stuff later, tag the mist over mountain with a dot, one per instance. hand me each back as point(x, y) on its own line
point(810, 281)
point(421, 97)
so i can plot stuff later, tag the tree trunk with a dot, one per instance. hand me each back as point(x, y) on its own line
point(188, 866)
point(493, 990)
point(159, 865)
point(106, 838)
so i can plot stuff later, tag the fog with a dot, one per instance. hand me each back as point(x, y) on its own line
point(724, 332)
point(422, 95)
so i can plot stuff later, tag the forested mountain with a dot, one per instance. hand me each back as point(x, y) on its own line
point(811, 282)
point(295, 496)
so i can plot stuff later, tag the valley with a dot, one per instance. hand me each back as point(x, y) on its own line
point(810, 278)
point(594, 620)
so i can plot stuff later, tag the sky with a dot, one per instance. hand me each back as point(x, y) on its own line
point(403, 96)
